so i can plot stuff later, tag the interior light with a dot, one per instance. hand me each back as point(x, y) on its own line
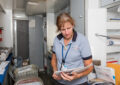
point(33, 3)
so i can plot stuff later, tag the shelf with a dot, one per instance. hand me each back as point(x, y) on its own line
point(114, 37)
point(113, 57)
point(113, 14)
point(109, 3)
point(114, 18)
point(113, 49)
point(113, 33)
point(113, 26)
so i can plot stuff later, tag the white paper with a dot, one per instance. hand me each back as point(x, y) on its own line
point(2, 66)
point(2, 71)
point(78, 70)
point(105, 73)
point(33, 83)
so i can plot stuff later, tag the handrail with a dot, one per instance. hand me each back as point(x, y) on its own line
point(108, 37)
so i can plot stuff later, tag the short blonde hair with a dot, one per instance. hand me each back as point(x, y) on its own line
point(62, 18)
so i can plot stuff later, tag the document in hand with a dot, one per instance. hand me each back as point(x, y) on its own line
point(78, 70)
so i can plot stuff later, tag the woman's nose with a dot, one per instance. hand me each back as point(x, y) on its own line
point(66, 31)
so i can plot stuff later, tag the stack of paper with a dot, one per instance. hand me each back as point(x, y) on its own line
point(2, 66)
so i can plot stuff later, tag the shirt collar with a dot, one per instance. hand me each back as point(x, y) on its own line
point(60, 36)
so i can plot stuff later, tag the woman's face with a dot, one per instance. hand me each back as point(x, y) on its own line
point(67, 30)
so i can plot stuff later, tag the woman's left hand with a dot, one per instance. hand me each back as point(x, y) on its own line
point(69, 77)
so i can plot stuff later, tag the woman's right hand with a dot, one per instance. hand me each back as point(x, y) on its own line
point(56, 77)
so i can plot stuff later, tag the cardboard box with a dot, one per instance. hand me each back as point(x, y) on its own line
point(116, 67)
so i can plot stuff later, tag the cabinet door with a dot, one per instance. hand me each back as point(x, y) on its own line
point(22, 38)
point(106, 2)
point(36, 41)
point(77, 9)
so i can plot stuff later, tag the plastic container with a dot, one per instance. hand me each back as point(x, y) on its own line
point(26, 72)
point(30, 81)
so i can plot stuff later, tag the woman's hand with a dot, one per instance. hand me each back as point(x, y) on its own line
point(69, 77)
point(56, 77)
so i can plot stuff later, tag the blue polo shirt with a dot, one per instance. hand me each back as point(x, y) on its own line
point(78, 51)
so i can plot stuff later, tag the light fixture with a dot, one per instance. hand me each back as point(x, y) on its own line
point(33, 3)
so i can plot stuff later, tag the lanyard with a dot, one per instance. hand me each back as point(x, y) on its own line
point(64, 57)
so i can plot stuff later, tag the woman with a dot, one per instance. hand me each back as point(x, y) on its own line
point(70, 50)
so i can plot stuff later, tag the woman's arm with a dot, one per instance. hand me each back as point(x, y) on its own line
point(54, 62)
point(87, 71)
point(54, 66)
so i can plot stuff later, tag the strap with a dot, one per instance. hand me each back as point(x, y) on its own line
point(64, 57)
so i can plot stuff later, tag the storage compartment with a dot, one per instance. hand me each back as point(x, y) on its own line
point(113, 58)
point(113, 46)
point(106, 2)
point(113, 13)
point(109, 3)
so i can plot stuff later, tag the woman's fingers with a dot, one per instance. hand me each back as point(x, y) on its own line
point(56, 77)
point(66, 76)
point(69, 77)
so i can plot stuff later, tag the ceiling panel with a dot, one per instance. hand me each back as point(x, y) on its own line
point(33, 7)
point(43, 6)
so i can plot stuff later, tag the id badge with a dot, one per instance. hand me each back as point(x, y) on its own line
point(64, 67)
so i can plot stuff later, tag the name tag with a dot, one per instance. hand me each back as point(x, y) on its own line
point(64, 67)
point(75, 47)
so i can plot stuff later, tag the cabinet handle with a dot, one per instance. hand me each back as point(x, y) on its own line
point(80, 16)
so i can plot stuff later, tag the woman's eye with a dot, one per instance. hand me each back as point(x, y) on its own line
point(63, 30)
point(68, 28)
